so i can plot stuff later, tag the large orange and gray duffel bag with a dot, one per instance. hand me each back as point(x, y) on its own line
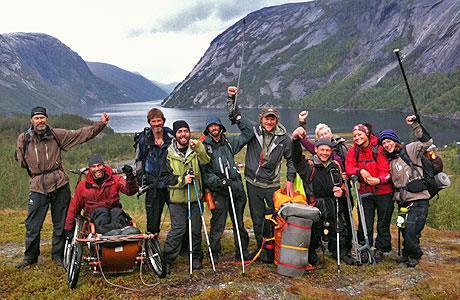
point(292, 237)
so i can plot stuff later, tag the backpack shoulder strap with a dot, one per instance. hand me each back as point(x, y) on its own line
point(375, 152)
point(357, 155)
point(57, 140)
point(25, 144)
point(312, 172)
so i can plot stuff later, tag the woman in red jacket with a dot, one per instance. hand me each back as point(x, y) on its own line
point(365, 159)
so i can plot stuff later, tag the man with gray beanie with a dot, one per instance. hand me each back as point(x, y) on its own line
point(38, 150)
point(321, 177)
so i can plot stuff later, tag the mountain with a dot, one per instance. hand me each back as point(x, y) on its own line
point(37, 69)
point(134, 85)
point(334, 54)
point(167, 87)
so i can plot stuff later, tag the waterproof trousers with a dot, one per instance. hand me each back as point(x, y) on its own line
point(178, 231)
point(384, 205)
point(328, 221)
point(37, 209)
point(155, 200)
point(416, 220)
point(219, 218)
point(260, 199)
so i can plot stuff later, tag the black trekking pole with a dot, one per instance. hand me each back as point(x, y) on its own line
point(337, 182)
point(396, 51)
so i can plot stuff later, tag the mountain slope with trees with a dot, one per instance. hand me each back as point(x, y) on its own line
point(134, 85)
point(334, 54)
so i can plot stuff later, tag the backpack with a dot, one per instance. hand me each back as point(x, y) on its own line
point(431, 168)
point(309, 183)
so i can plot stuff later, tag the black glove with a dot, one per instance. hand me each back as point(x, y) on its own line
point(68, 234)
point(128, 170)
point(233, 111)
point(224, 182)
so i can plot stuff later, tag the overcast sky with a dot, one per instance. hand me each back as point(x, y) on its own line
point(161, 39)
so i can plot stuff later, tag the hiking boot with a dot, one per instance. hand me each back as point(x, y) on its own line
point(25, 263)
point(378, 255)
point(402, 259)
point(364, 257)
point(197, 264)
point(313, 258)
point(412, 262)
point(348, 260)
point(58, 260)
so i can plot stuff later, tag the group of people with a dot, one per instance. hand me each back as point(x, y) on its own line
point(179, 170)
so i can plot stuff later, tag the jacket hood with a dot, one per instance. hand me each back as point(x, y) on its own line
point(214, 120)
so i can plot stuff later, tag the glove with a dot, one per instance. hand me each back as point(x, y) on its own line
point(128, 170)
point(233, 111)
point(68, 234)
point(224, 182)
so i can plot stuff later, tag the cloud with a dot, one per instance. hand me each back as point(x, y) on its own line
point(204, 15)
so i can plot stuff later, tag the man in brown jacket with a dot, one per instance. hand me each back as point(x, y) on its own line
point(39, 151)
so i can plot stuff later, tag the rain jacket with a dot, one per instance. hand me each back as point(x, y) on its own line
point(174, 168)
point(43, 154)
point(150, 156)
point(379, 168)
point(402, 173)
point(263, 169)
point(225, 149)
point(89, 196)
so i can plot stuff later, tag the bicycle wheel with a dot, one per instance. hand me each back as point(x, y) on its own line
point(74, 264)
point(155, 258)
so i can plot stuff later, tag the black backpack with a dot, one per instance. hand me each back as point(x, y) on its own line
point(430, 170)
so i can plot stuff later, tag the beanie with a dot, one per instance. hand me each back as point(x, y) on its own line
point(363, 128)
point(388, 134)
point(326, 142)
point(95, 159)
point(38, 110)
point(178, 125)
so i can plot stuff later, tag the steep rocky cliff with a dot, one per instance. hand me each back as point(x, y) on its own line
point(37, 69)
point(333, 54)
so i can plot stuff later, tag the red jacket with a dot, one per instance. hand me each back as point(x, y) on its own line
point(89, 196)
point(379, 168)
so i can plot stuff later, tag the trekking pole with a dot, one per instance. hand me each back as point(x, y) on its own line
point(399, 241)
point(204, 225)
point(337, 232)
point(366, 246)
point(396, 51)
point(232, 202)
point(354, 235)
point(241, 66)
point(189, 227)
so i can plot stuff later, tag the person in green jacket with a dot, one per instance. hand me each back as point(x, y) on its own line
point(181, 168)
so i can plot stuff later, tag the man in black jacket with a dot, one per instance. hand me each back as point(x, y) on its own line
point(264, 156)
point(322, 184)
point(152, 147)
point(221, 149)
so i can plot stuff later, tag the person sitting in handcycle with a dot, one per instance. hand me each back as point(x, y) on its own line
point(99, 196)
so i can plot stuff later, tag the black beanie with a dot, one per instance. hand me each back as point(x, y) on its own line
point(95, 159)
point(38, 110)
point(178, 125)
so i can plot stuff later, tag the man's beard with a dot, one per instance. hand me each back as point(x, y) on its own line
point(183, 144)
point(40, 128)
point(158, 129)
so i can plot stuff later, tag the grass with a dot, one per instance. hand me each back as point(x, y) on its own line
point(435, 278)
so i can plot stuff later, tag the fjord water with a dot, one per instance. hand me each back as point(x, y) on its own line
point(132, 117)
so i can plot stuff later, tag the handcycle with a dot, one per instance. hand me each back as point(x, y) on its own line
point(107, 254)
